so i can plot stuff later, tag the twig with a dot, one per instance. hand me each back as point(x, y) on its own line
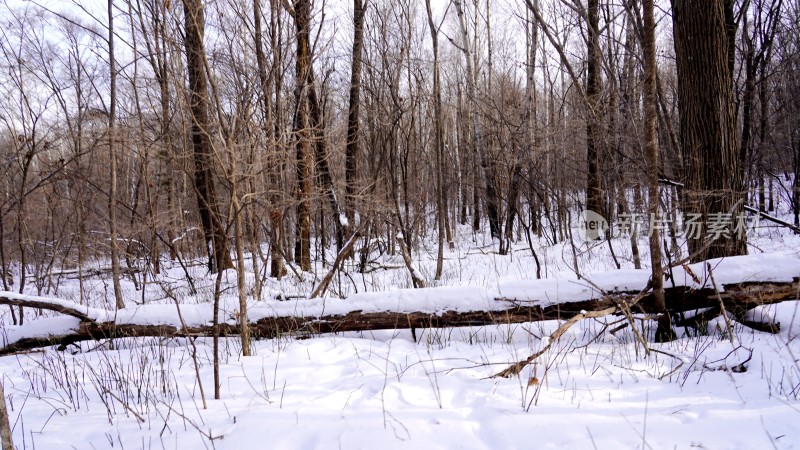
point(326, 280)
point(124, 404)
point(516, 368)
point(723, 312)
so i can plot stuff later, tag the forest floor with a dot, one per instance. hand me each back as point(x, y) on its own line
point(592, 389)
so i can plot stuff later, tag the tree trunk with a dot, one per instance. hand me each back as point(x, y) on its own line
point(216, 240)
point(748, 100)
point(112, 153)
point(303, 134)
point(351, 151)
point(487, 163)
point(6, 442)
point(244, 328)
point(529, 119)
point(277, 270)
point(594, 192)
point(324, 178)
point(708, 126)
point(438, 144)
point(664, 332)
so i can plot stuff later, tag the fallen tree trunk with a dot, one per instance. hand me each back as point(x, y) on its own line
point(736, 297)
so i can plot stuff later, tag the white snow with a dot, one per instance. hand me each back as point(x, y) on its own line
point(96, 314)
point(40, 328)
point(383, 389)
point(783, 266)
point(764, 267)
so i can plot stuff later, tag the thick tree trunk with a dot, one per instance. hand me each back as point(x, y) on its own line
point(708, 126)
point(214, 231)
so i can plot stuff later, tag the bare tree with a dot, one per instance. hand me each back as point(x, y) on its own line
point(351, 151)
point(664, 332)
point(438, 142)
point(487, 163)
point(112, 151)
point(219, 257)
point(594, 191)
point(277, 268)
point(301, 13)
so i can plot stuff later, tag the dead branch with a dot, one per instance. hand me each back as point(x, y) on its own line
point(326, 280)
point(60, 306)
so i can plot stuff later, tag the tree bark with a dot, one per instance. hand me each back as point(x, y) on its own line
point(708, 125)
point(594, 192)
point(487, 164)
point(112, 153)
point(219, 257)
point(748, 98)
point(353, 111)
point(664, 332)
point(277, 269)
point(441, 203)
point(303, 134)
point(529, 119)
point(324, 177)
point(6, 442)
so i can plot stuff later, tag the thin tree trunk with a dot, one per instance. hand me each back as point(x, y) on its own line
point(529, 118)
point(112, 152)
point(748, 101)
point(351, 150)
point(664, 330)
point(487, 163)
point(277, 270)
point(240, 280)
point(594, 192)
point(324, 178)
point(438, 143)
point(6, 442)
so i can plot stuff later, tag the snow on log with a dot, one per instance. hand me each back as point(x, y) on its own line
point(744, 283)
point(53, 304)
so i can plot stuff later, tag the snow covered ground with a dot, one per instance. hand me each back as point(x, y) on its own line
point(592, 389)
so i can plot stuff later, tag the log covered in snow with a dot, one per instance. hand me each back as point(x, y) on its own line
point(271, 322)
